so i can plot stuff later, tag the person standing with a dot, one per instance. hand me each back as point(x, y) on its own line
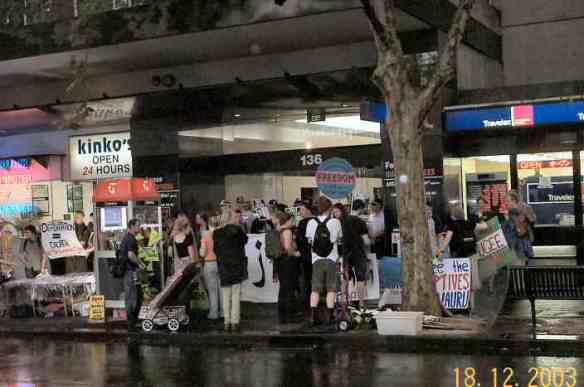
point(307, 213)
point(211, 271)
point(132, 284)
point(518, 227)
point(229, 243)
point(376, 228)
point(288, 267)
point(183, 245)
point(324, 234)
point(31, 260)
point(355, 260)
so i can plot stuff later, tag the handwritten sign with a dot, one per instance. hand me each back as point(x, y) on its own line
point(453, 278)
point(59, 240)
point(97, 308)
point(492, 244)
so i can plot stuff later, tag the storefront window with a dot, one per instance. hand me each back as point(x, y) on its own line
point(546, 184)
point(485, 181)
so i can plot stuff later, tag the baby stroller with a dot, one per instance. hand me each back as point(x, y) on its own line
point(161, 311)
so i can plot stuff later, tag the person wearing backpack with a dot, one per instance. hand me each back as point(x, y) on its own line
point(325, 234)
point(132, 284)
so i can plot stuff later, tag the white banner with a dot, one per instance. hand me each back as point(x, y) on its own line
point(452, 278)
point(59, 240)
point(103, 156)
point(260, 287)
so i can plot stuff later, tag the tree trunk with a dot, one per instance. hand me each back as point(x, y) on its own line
point(406, 142)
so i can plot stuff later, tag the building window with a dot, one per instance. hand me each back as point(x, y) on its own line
point(74, 198)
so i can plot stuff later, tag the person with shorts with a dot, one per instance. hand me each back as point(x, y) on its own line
point(324, 234)
point(355, 261)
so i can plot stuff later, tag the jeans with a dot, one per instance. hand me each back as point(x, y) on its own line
point(231, 303)
point(213, 283)
point(133, 293)
point(288, 270)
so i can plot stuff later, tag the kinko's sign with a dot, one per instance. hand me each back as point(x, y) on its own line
point(336, 178)
point(102, 156)
point(59, 240)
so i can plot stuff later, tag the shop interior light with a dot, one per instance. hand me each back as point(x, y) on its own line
point(347, 122)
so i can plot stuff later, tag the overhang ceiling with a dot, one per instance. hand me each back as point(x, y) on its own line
point(326, 29)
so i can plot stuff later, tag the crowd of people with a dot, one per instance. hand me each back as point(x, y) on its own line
point(309, 253)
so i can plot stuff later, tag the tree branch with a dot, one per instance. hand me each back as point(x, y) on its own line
point(446, 67)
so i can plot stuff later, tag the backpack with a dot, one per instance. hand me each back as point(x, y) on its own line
point(119, 266)
point(322, 244)
point(274, 249)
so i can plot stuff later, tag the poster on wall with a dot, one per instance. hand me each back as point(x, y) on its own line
point(491, 188)
point(40, 199)
point(59, 240)
point(103, 156)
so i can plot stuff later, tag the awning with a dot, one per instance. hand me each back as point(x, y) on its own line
point(124, 190)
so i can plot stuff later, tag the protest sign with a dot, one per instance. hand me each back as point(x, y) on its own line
point(59, 240)
point(494, 252)
point(97, 308)
point(453, 282)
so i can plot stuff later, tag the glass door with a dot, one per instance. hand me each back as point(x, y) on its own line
point(546, 184)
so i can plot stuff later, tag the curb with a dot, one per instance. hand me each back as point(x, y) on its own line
point(311, 341)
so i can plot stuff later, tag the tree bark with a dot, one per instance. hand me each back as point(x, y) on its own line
point(420, 292)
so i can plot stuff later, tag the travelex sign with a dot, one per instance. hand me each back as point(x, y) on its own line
point(336, 178)
point(550, 113)
point(103, 156)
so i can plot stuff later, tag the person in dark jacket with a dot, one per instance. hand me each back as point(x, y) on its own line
point(229, 243)
point(307, 213)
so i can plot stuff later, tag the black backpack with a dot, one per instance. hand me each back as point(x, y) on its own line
point(119, 266)
point(274, 249)
point(322, 244)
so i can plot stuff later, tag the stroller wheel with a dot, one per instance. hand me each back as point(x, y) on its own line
point(147, 325)
point(173, 325)
point(344, 325)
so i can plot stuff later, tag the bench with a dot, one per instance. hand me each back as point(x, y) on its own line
point(545, 283)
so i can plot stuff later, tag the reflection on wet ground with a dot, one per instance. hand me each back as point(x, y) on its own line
point(58, 363)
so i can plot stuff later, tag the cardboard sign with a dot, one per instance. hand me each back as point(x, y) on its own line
point(451, 276)
point(59, 240)
point(103, 156)
point(453, 282)
point(97, 308)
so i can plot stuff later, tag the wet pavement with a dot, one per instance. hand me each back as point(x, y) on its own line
point(43, 363)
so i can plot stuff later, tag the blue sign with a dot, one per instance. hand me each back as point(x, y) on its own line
point(336, 178)
point(373, 111)
point(551, 113)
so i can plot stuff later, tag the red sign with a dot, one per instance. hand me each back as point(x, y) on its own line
point(113, 191)
point(123, 190)
point(144, 189)
point(545, 164)
point(522, 115)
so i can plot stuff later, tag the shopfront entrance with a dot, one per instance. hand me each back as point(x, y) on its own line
point(488, 155)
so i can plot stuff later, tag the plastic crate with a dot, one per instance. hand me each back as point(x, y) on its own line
point(399, 323)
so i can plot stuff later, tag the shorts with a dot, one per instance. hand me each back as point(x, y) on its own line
point(324, 276)
point(359, 269)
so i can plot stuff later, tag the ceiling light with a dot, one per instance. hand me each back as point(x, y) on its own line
point(236, 115)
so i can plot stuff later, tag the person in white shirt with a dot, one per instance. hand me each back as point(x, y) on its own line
point(376, 227)
point(324, 268)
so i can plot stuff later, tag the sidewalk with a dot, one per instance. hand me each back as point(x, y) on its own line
point(559, 326)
